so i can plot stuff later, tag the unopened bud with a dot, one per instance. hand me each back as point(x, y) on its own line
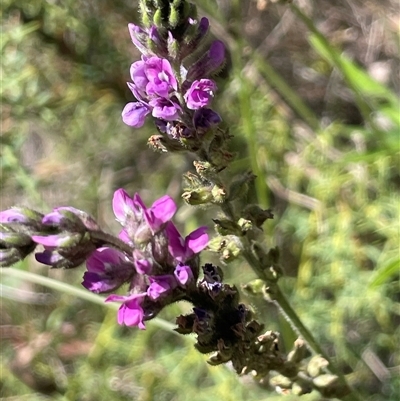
point(218, 194)
point(281, 381)
point(257, 215)
point(330, 386)
point(317, 365)
point(198, 196)
point(226, 227)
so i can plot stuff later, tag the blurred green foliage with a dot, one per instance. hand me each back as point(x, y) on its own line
point(321, 132)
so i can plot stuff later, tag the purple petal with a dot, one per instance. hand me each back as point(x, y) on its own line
point(122, 204)
point(103, 257)
point(200, 93)
point(13, 216)
point(165, 109)
point(197, 240)
point(134, 114)
point(97, 283)
point(183, 274)
point(52, 240)
point(160, 286)
point(176, 244)
point(209, 63)
point(161, 211)
point(130, 313)
point(48, 257)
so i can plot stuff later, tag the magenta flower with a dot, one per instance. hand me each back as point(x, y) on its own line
point(184, 249)
point(107, 269)
point(125, 209)
point(161, 286)
point(134, 114)
point(130, 312)
point(200, 93)
point(183, 274)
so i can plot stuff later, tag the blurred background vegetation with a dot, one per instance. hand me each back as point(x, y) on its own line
point(311, 101)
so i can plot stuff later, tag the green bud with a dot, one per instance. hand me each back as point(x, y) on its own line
point(316, 366)
point(173, 48)
point(198, 196)
point(205, 169)
point(146, 13)
point(158, 19)
point(254, 287)
point(219, 194)
point(226, 227)
point(281, 381)
point(230, 252)
point(299, 352)
point(245, 225)
point(257, 215)
point(300, 388)
point(14, 239)
point(161, 143)
point(219, 358)
point(330, 386)
point(174, 17)
point(227, 246)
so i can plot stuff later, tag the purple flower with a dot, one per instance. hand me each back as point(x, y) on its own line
point(184, 249)
point(153, 77)
point(165, 109)
point(209, 63)
point(183, 274)
point(200, 93)
point(20, 215)
point(126, 208)
point(56, 216)
point(134, 114)
point(161, 286)
point(49, 257)
point(204, 119)
point(130, 312)
point(107, 269)
point(13, 216)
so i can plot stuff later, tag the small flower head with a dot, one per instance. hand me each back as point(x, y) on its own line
point(184, 249)
point(141, 223)
point(131, 312)
point(107, 269)
point(200, 94)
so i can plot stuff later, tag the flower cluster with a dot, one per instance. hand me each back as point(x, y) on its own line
point(169, 84)
point(160, 270)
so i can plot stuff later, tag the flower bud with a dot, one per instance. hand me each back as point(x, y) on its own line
point(226, 227)
point(330, 386)
point(198, 196)
point(257, 215)
point(316, 365)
